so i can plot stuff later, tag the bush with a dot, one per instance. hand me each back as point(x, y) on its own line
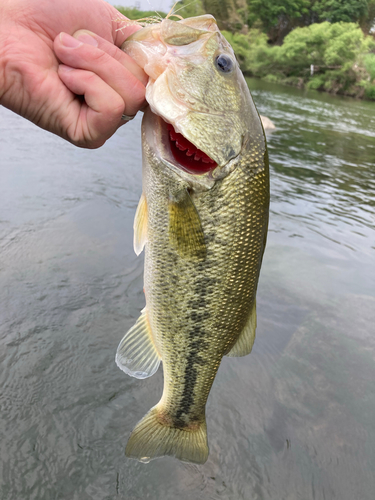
point(316, 82)
point(241, 47)
point(323, 45)
point(369, 61)
point(272, 78)
point(370, 92)
point(253, 52)
point(340, 53)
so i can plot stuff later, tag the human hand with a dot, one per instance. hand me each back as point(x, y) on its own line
point(35, 37)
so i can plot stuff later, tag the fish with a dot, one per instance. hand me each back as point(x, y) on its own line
point(202, 219)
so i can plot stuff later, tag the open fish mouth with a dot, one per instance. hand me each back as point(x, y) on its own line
point(178, 154)
point(187, 155)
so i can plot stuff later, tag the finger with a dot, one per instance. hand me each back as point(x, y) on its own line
point(76, 54)
point(89, 37)
point(91, 123)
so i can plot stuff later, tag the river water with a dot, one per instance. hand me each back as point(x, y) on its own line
point(295, 420)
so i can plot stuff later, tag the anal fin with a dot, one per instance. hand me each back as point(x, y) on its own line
point(245, 341)
point(136, 354)
point(185, 228)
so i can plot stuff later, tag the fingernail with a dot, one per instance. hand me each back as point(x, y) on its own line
point(69, 41)
point(90, 40)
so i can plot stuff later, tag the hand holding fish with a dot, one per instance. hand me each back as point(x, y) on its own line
point(45, 71)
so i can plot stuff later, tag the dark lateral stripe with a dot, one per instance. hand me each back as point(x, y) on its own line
point(198, 344)
point(194, 360)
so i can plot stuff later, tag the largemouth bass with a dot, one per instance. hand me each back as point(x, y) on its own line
point(202, 219)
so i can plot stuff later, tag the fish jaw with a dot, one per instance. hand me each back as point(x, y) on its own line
point(211, 109)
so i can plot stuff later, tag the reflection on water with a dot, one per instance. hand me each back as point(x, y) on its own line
point(294, 420)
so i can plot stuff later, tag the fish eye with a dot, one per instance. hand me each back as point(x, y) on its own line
point(224, 63)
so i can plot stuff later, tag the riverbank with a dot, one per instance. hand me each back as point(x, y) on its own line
point(333, 57)
point(356, 91)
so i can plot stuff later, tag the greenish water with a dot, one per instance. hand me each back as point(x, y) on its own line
point(294, 420)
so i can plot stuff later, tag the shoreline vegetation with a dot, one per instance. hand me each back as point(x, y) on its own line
point(324, 45)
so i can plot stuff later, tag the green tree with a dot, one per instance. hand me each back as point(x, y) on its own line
point(190, 8)
point(334, 50)
point(230, 15)
point(270, 11)
point(341, 54)
point(368, 20)
point(335, 11)
point(278, 17)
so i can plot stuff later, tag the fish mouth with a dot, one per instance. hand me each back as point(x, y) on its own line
point(187, 155)
point(178, 154)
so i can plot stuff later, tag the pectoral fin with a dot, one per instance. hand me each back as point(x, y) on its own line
point(140, 225)
point(136, 354)
point(245, 341)
point(185, 228)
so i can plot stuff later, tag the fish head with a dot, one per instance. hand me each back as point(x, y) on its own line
point(197, 89)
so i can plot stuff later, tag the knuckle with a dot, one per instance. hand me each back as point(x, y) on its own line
point(115, 108)
point(99, 57)
point(89, 77)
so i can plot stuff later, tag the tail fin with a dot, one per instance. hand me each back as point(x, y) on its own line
point(151, 439)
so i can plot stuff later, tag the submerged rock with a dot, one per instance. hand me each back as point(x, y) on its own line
point(267, 123)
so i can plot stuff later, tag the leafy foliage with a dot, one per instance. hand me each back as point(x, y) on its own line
point(340, 52)
point(342, 55)
point(370, 92)
point(369, 62)
point(335, 11)
point(190, 8)
point(368, 20)
point(273, 12)
point(241, 46)
point(322, 44)
point(230, 14)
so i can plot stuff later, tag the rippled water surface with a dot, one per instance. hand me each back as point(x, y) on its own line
point(295, 420)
